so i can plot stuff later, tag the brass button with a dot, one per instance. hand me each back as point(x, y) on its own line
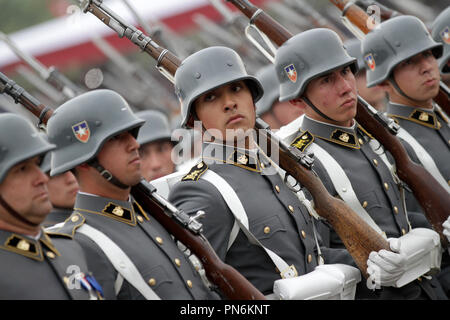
point(177, 262)
point(361, 141)
point(303, 234)
point(189, 283)
point(403, 231)
point(309, 258)
point(277, 188)
point(159, 240)
point(395, 209)
point(74, 218)
point(200, 165)
point(140, 219)
point(152, 282)
point(266, 230)
point(375, 161)
point(51, 255)
point(66, 280)
point(365, 203)
point(386, 186)
point(291, 208)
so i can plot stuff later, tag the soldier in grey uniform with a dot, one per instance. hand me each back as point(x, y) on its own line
point(214, 87)
point(275, 113)
point(34, 266)
point(317, 74)
point(62, 191)
point(404, 62)
point(135, 256)
point(156, 145)
point(375, 96)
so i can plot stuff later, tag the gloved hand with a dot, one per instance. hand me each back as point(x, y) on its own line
point(385, 267)
point(446, 226)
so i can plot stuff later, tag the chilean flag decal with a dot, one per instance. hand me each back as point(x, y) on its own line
point(370, 61)
point(291, 72)
point(445, 35)
point(81, 131)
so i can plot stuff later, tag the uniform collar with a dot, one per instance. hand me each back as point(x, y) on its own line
point(345, 136)
point(425, 117)
point(28, 246)
point(248, 159)
point(123, 211)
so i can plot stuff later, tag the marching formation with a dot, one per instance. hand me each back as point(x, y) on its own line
point(324, 176)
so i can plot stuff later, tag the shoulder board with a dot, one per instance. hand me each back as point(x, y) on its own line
point(68, 227)
point(303, 141)
point(195, 172)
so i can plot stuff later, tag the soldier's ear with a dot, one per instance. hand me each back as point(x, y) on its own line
point(385, 86)
point(298, 102)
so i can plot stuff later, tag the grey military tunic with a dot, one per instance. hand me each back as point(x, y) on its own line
point(374, 187)
point(42, 269)
point(430, 128)
point(276, 216)
point(57, 215)
point(149, 246)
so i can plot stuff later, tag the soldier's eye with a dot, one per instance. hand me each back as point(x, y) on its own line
point(209, 97)
point(236, 88)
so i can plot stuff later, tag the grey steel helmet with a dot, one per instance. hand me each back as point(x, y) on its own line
point(19, 141)
point(80, 127)
point(441, 33)
point(206, 70)
point(392, 42)
point(309, 55)
point(269, 81)
point(353, 47)
point(155, 128)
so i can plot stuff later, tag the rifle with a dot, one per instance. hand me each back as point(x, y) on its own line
point(358, 17)
point(51, 74)
point(433, 198)
point(359, 238)
point(184, 227)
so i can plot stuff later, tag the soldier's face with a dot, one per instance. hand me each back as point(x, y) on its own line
point(120, 156)
point(228, 109)
point(25, 190)
point(156, 159)
point(418, 77)
point(63, 190)
point(335, 95)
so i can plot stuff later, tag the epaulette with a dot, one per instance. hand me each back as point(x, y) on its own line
point(303, 141)
point(195, 172)
point(68, 227)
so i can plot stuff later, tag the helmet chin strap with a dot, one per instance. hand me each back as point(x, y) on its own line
point(400, 91)
point(15, 214)
point(309, 103)
point(106, 174)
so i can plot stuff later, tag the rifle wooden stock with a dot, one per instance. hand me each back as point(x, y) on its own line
point(357, 236)
point(232, 284)
point(359, 18)
point(433, 198)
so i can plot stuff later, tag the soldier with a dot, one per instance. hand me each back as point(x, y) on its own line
point(404, 63)
point(155, 145)
point(62, 191)
point(402, 57)
point(276, 114)
point(440, 31)
point(251, 215)
point(375, 96)
point(317, 74)
point(34, 266)
point(136, 257)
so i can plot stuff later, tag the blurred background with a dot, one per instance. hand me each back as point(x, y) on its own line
point(57, 35)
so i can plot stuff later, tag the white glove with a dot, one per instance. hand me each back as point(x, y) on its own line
point(446, 226)
point(385, 267)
